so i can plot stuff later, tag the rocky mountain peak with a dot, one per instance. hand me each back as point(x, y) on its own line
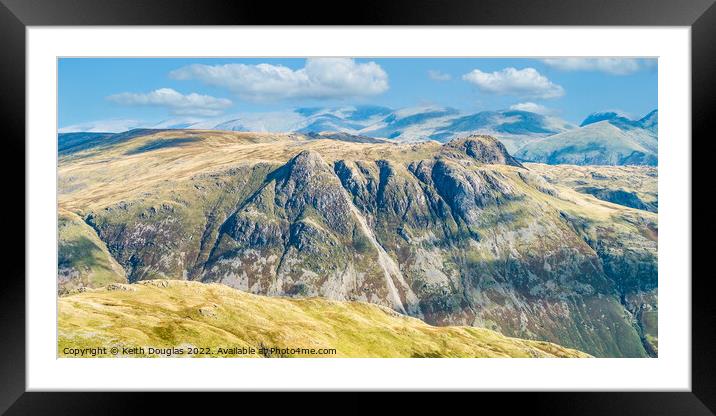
point(482, 148)
point(303, 168)
point(307, 158)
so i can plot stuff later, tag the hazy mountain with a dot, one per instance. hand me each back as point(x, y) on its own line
point(454, 234)
point(605, 138)
point(616, 118)
point(407, 124)
point(630, 143)
point(602, 139)
point(344, 137)
point(650, 121)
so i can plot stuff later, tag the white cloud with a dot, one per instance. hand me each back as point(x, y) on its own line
point(436, 75)
point(176, 102)
point(526, 82)
point(532, 108)
point(320, 78)
point(615, 66)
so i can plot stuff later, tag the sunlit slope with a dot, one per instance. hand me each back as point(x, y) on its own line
point(139, 162)
point(168, 313)
point(632, 186)
point(83, 259)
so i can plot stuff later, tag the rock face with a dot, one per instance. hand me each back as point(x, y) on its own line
point(483, 149)
point(459, 233)
point(300, 234)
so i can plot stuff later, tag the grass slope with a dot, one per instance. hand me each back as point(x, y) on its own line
point(83, 259)
point(170, 313)
point(636, 184)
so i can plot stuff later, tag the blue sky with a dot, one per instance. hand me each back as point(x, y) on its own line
point(151, 90)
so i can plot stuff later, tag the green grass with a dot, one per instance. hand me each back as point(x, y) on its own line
point(83, 256)
point(163, 314)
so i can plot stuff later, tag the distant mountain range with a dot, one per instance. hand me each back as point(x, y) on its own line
point(408, 124)
point(609, 138)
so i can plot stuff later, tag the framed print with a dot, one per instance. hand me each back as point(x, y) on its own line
point(448, 199)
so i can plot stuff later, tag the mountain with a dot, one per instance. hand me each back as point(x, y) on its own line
point(650, 121)
point(510, 122)
point(166, 314)
point(411, 123)
point(459, 233)
point(347, 120)
point(350, 119)
point(609, 137)
point(602, 139)
point(615, 118)
point(512, 127)
point(344, 137)
point(407, 124)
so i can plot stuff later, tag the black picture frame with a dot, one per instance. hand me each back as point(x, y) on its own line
point(16, 15)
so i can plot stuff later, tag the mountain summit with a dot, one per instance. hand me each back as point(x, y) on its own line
point(649, 121)
point(607, 138)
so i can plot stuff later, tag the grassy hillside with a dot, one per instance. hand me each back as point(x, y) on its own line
point(632, 186)
point(83, 259)
point(169, 313)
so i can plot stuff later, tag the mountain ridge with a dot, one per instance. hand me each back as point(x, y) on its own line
point(522, 132)
point(418, 123)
